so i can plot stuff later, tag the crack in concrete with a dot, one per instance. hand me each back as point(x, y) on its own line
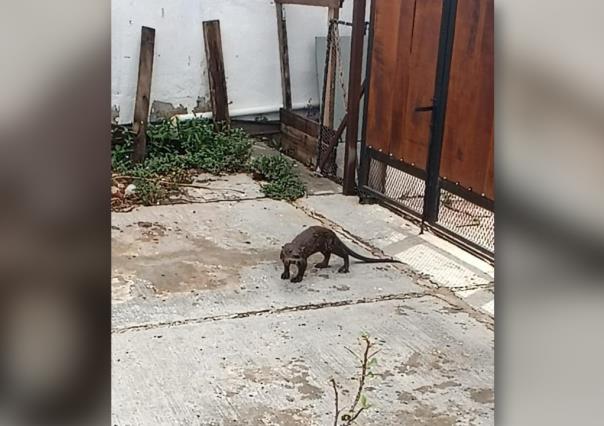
point(485, 286)
point(271, 311)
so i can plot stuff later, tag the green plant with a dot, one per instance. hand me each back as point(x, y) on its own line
point(150, 192)
point(278, 171)
point(360, 402)
point(175, 149)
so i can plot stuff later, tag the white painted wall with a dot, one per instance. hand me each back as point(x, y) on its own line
point(250, 48)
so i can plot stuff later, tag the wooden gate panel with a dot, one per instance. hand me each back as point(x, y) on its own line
point(383, 69)
point(414, 135)
point(467, 155)
point(403, 71)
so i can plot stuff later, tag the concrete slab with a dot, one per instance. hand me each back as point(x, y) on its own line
point(206, 333)
point(175, 263)
point(435, 368)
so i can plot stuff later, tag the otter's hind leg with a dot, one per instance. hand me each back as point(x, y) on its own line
point(341, 251)
point(344, 268)
point(325, 262)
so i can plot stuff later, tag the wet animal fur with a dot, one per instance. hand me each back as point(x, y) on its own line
point(318, 239)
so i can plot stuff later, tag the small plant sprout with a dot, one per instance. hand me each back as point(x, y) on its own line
point(367, 361)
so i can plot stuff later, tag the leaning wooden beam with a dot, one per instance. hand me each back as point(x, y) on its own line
point(338, 135)
point(143, 93)
point(283, 57)
point(218, 88)
point(324, 3)
point(354, 90)
point(330, 93)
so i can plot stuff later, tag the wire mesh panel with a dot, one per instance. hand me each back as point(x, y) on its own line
point(467, 220)
point(403, 188)
point(326, 135)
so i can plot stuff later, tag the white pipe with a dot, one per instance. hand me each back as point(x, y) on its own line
point(243, 111)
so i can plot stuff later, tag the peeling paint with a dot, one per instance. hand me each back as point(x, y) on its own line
point(166, 110)
point(115, 113)
point(203, 105)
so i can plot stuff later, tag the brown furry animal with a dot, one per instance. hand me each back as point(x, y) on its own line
point(318, 239)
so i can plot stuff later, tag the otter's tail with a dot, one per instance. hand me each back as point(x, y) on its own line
point(369, 259)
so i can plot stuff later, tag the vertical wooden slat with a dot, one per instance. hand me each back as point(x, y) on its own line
point(422, 73)
point(383, 69)
point(467, 154)
point(354, 94)
point(143, 93)
point(329, 105)
point(217, 79)
point(284, 57)
point(399, 80)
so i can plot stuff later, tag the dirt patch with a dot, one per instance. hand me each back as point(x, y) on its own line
point(405, 397)
point(483, 396)
point(300, 378)
point(263, 375)
point(270, 416)
point(173, 261)
point(426, 415)
point(436, 387)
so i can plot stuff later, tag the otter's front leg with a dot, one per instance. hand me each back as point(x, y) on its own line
point(285, 274)
point(300, 274)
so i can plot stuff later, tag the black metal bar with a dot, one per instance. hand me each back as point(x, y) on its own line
point(397, 164)
point(364, 163)
point(354, 90)
point(441, 86)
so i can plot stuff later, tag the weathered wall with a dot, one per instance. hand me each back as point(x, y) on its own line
point(249, 36)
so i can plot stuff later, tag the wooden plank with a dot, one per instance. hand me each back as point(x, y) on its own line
point(467, 154)
point(354, 95)
point(298, 145)
point(330, 92)
point(399, 83)
point(338, 135)
point(218, 88)
point(305, 125)
point(143, 93)
point(303, 142)
point(412, 148)
point(383, 69)
point(283, 57)
point(323, 3)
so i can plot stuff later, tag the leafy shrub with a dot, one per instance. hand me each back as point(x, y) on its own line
point(283, 183)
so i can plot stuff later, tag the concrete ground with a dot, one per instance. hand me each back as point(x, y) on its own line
point(206, 333)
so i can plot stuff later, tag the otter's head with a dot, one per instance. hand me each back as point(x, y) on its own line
point(290, 253)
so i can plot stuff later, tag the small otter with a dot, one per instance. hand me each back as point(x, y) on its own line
point(314, 240)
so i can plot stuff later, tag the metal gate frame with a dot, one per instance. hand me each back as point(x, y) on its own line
point(433, 182)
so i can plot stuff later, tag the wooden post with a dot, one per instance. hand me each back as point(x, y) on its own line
point(143, 93)
point(354, 90)
point(217, 79)
point(330, 93)
point(284, 57)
